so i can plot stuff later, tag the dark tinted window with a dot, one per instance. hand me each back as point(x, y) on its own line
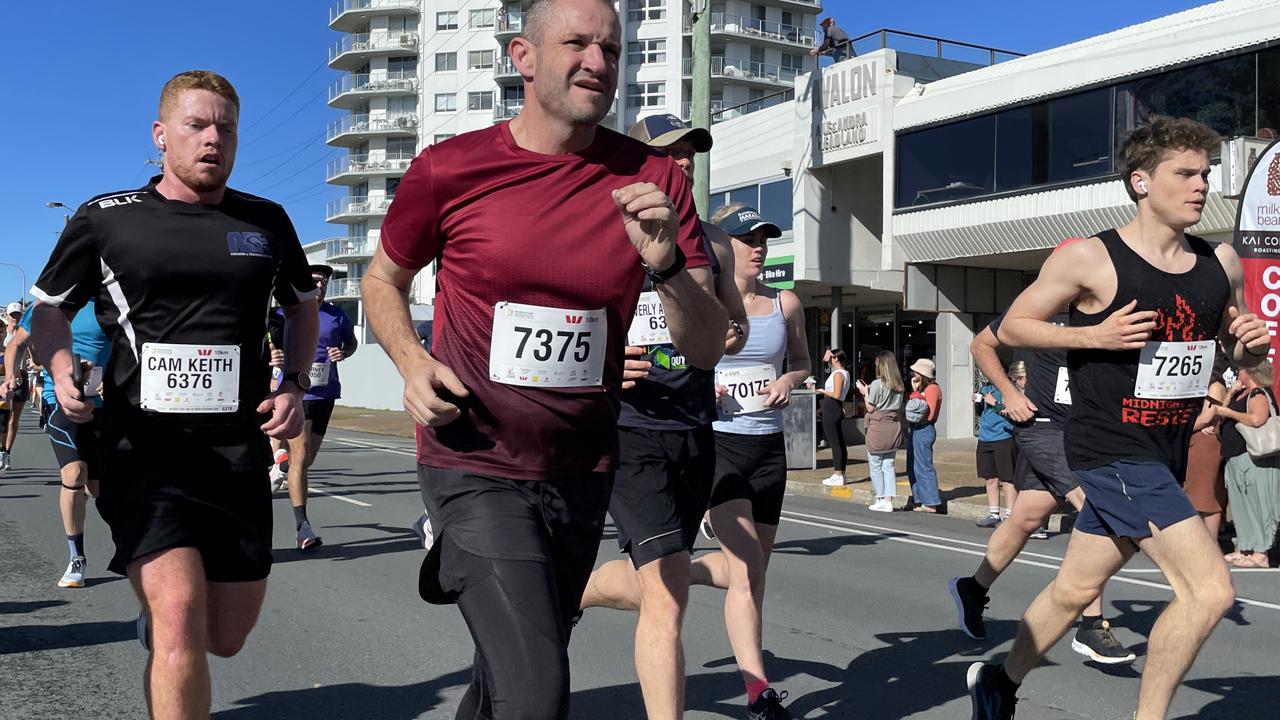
point(748, 195)
point(775, 203)
point(1079, 136)
point(949, 162)
point(1219, 94)
point(1018, 133)
point(1269, 93)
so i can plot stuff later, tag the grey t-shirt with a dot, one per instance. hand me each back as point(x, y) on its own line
point(882, 398)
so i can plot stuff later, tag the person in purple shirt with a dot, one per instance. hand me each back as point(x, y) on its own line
point(337, 343)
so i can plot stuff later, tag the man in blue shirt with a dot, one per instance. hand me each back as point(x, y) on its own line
point(75, 445)
point(997, 451)
point(337, 342)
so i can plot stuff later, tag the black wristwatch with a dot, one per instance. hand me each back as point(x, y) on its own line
point(657, 278)
point(737, 328)
point(302, 380)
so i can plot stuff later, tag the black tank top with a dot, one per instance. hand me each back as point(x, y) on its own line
point(675, 396)
point(1111, 419)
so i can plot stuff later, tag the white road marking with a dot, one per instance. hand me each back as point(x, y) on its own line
point(895, 535)
point(374, 446)
point(335, 496)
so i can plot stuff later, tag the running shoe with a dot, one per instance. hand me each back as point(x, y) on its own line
point(970, 599)
point(990, 700)
point(768, 706)
point(278, 478)
point(834, 481)
point(307, 538)
point(144, 633)
point(74, 576)
point(1095, 641)
point(989, 521)
point(881, 505)
point(1040, 533)
point(4, 461)
point(422, 528)
point(705, 528)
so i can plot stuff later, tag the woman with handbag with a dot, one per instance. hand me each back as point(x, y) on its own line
point(831, 406)
point(1249, 428)
point(884, 429)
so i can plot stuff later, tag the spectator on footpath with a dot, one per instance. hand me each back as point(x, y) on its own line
point(1205, 486)
point(997, 453)
point(834, 41)
point(920, 470)
point(884, 428)
point(1253, 484)
point(831, 407)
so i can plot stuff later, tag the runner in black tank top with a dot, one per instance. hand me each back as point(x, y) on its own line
point(1111, 417)
point(1146, 303)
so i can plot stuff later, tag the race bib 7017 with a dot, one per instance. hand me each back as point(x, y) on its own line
point(743, 388)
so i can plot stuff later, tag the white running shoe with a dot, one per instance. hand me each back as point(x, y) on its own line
point(834, 481)
point(4, 461)
point(705, 528)
point(881, 505)
point(307, 538)
point(278, 478)
point(74, 576)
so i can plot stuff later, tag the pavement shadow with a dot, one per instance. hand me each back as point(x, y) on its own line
point(26, 606)
point(1242, 696)
point(819, 547)
point(34, 638)
point(18, 497)
point(351, 701)
point(393, 540)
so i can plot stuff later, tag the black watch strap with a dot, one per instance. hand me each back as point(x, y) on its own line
point(295, 378)
point(658, 278)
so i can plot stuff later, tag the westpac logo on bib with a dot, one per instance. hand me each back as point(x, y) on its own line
point(248, 244)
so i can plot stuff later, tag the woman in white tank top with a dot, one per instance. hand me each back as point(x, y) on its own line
point(752, 387)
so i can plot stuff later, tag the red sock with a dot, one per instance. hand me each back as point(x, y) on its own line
point(755, 687)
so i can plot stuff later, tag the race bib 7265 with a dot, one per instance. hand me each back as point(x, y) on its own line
point(1174, 370)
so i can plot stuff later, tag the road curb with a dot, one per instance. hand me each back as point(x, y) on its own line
point(1058, 522)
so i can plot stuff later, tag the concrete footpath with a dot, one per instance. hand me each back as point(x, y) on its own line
point(963, 495)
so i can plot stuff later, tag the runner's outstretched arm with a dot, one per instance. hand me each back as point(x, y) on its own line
point(727, 289)
point(51, 345)
point(1243, 334)
point(983, 348)
point(12, 368)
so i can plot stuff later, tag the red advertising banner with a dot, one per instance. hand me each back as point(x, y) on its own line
point(1257, 240)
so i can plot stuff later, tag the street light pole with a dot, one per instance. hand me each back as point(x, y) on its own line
point(21, 272)
point(700, 108)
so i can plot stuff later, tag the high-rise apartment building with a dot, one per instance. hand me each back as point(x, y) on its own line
point(417, 73)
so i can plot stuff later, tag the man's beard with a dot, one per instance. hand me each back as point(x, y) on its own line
point(203, 182)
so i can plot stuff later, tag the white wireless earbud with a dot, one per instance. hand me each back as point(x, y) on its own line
point(161, 141)
point(1142, 185)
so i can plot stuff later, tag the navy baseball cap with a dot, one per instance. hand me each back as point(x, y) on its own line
point(662, 131)
point(324, 270)
point(746, 220)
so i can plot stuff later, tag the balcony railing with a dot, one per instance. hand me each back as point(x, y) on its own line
point(359, 43)
point(721, 110)
point(511, 24)
point(342, 289)
point(929, 45)
point(363, 124)
point(356, 206)
point(360, 165)
point(402, 82)
point(747, 70)
point(341, 249)
point(756, 28)
point(507, 109)
point(343, 7)
point(504, 68)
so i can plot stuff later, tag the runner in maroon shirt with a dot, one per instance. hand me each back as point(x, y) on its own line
point(545, 228)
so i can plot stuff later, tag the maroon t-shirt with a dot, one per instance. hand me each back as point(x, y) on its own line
point(513, 225)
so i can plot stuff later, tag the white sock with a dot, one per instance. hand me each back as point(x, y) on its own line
point(993, 510)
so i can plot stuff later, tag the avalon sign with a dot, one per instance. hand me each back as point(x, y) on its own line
point(846, 111)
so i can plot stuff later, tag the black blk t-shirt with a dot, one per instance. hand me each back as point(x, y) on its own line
point(165, 271)
point(1046, 369)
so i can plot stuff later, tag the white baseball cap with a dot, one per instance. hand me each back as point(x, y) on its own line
point(14, 307)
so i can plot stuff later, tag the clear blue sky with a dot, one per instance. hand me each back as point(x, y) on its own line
point(84, 79)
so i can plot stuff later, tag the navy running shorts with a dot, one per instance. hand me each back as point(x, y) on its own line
point(1124, 498)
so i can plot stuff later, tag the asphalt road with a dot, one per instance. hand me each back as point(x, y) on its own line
point(858, 620)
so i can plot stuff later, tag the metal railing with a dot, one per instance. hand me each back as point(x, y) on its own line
point(342, 288)
point(504, 68)
point(754, 27)
point(361, 205)
point(368, 164)
point(509, 23)
point(918, 44)
point(721, 111)
point(401, 82)
point(375, 42)
point(747, 70)
point(344, 247)
point(346, 6)
point(398, 122)
point(507, 109)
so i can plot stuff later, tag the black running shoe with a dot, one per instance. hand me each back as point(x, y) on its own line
point(991, 701)
point(1095, 641)
point(971, 600)
point(768, 706)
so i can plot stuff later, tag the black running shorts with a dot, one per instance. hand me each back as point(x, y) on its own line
point(1042, 459)
point(166, 486)
point(318, 412)
point(661, 489)
point(73, 441)
point(997, 459)
point(751, 467)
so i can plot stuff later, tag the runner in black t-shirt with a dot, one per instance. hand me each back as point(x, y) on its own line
point(182, 271)
point(1147, 302)
point(1042, 479)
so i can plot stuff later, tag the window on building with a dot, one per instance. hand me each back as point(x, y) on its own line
point(948, 162)
point(402, 66)
point(441, 137)
point(646, 51)
point(775, 202)
point(446, 102)
point(480, 100)
point(787, 18)
point(446, 61)
point(758, 12)
point(1059, 140)
point(480, 60)
point(402, 105)
point(393, 184)
point(640, 10)
point(1268, 93)
point(792, 62)
point(716, 202)
point(749, 195)
point(447, 20)
point(757, 56)
point(1220, 94)
point(481, 18)
point(403, 24)
point(644, 95)
point(401, 147)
